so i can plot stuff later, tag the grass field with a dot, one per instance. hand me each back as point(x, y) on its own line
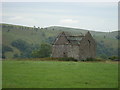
point(56, 74)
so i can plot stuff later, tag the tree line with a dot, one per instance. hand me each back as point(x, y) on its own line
point(44, 50)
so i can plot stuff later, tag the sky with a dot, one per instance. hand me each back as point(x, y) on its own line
point(96, 16)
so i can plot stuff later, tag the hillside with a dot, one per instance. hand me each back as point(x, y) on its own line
point(107, 42)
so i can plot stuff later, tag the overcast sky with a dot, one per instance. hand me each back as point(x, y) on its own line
point(84, 15)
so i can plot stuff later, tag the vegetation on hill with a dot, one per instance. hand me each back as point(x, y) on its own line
point(22, 41)
point(42, 52)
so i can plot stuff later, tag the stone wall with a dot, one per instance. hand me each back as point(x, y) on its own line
point(65, 51)
point(86, 48)
point(59, 51)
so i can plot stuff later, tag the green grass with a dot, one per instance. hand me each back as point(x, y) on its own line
point(56, 74)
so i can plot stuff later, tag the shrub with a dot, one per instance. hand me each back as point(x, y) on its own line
point(20, 44)
point(42, 52)
point(16, 56)
point(25, 48)
point(67, 59)
point(90, 59)
point(6, 49)
point(94, 59)
point(99, 59)
point(115, 58)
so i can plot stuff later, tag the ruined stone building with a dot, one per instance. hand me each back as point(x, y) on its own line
point(79, 47)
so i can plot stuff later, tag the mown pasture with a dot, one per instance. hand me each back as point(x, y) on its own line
point(59, 74)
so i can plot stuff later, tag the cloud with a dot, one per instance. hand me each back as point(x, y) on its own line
point(46, 14)
point(16, 18)
point(68, 21)
point(20, 20)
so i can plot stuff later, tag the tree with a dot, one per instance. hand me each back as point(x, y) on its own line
point(117, 37)
point(20, 44)
point(24, 47)
point(8, 30)
point(44, 51)
point(50, 39)
point(38, 28)
point(43, 34)
point(6, 49)
point(104, 37)
point(16, 56)
point(34, 27)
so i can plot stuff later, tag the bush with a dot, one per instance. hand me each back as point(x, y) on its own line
point(94, 59)
point(90, 59)
point(20, 44)
point(24, 47)
point(67, 59)
point(42, 52)
point(16, 56)
point(100, 59)
point(114, 58)
point(6, 49)
point(105, 51)
point(50, 39)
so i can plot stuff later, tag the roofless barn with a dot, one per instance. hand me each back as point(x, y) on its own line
point(79, 47)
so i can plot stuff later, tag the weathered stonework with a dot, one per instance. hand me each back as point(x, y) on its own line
point(78, 47)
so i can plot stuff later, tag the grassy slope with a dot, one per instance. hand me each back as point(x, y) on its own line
point(51, 74)
point(31, 36)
